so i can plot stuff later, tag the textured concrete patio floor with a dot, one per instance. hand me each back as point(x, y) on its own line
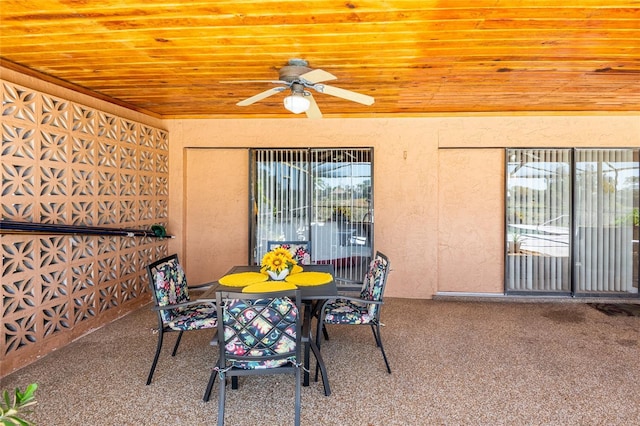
point(453, 362)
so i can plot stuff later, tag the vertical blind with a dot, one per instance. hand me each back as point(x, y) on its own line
point(317, 195)
point(572, 221)
point(606, 185)
point(538, 220)
point(280, 192)
point(342, 221)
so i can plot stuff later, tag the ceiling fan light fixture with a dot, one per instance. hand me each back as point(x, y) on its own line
point(296, 103)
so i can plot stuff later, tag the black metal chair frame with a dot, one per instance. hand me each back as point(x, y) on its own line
point(162, 328)
point(225, 367)
point(374, 323)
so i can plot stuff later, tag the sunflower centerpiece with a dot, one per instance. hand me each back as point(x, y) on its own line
point(277, 263)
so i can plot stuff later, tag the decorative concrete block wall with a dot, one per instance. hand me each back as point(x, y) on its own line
point(66, 163)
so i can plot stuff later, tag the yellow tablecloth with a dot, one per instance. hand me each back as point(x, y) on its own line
point(309, 278)
point(242, 279)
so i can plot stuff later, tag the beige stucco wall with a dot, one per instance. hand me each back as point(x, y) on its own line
point(438, 182)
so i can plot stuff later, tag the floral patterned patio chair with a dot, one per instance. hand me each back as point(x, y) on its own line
point(176, 312)
point(362, 310)
point(260, 333)
point(300, 250)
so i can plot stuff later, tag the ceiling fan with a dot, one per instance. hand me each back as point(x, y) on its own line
point(297, 78)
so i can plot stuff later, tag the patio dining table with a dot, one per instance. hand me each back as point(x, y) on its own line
point(310, 295)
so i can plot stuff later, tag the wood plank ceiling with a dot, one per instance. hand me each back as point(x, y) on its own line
point(168, 57)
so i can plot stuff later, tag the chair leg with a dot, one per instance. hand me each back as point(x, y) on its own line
point(318, 342)
point(212, 380)
point(221, 396)
point(324, 332)
point(306, 354)
point(320, 365)
point(316, 313)
point(298, 397)
point(175, 348)
point(155, 358)
point(319, 362)
point(375, 336)
point(378, 338)
point(319, 327)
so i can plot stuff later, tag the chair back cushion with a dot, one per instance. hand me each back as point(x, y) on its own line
point(256, 329)
point(300, 250)
point(170, 287)
point(374, 281)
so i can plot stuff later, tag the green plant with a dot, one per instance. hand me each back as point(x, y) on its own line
point(632, 218)
point(516, 237)
point(11, 412)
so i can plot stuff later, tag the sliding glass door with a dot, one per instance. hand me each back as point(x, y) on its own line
point(606, 221)
point(572, 221)
point(319, 195)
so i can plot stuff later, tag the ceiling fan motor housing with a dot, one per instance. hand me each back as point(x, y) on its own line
point(290, 73)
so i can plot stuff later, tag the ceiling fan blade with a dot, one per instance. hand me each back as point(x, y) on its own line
point(316, 76)
point(253, 81)
point(260, 96)
point(313, 112)
point(345, 94)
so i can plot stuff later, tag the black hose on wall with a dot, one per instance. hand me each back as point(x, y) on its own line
point(15, 227)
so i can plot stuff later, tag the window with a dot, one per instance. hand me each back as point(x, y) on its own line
point(572, 221)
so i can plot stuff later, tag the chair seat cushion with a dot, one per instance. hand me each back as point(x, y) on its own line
point(347, 312)
point(193, 317)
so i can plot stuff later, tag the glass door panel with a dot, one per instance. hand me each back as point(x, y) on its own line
point(538, 221)
point(342, 213)
point(280, 197)
point(606, 221)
